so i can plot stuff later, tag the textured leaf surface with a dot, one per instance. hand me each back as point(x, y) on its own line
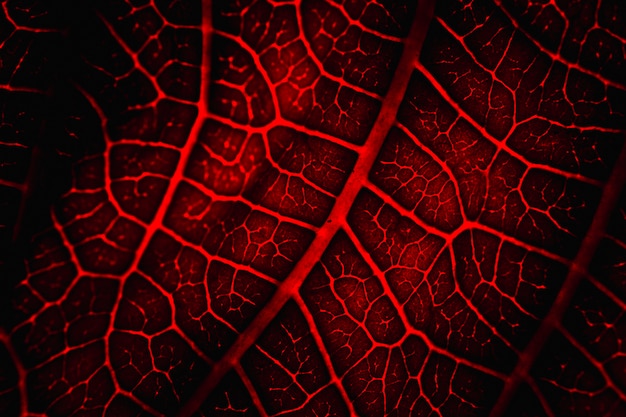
point(313, 208)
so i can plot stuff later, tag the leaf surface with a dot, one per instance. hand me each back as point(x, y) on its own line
point(313, 208)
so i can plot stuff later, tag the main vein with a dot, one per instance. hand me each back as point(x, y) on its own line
point(292, 283)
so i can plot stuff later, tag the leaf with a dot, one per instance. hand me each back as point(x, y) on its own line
point(313, 208)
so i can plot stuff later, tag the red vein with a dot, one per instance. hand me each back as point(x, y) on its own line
point(610, 381)
point(577, 271)
point(21, 387)
point(500, 145)
point(334, 377)
point(290, 286)
point(256, 400)
point(553, 55)
point(411, 330)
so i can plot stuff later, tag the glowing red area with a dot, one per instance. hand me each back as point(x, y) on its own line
point(312, 208)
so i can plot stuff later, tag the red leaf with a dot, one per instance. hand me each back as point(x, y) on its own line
point(312, 208)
